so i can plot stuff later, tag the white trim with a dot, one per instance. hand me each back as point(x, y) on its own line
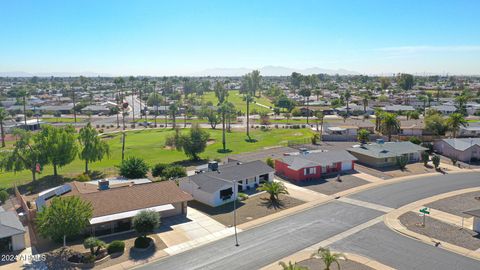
point(107, 218)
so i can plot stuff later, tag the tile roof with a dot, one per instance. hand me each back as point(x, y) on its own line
point(297, 162)
point(387, 149)
point(10, 224)
point(128, 198)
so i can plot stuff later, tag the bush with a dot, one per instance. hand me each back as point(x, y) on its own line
point(145, 222)
point(3, 196)
point(415, 140)
point(158, 169)
point(174, 171)
point(133, 168)
point(142, 242)
point(116, 246)
point(83, 178)
point(242, 196)
point(270, 162)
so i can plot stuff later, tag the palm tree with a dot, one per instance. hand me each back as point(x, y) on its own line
point(173, 110)
point(328, 257)
point(291, 266)
point(363, 136)
point(132, 81)
point(223, 109)
point(248, 98)
point(274, 189)
point(454, 121)
point(366, 97)
point(378, 118)
point(389, 124)
point(3, 116)
point(347, 97)
point(306, 95)
point(317, 93)
point(24, 93)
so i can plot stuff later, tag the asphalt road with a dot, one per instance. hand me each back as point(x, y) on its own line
point(268, 243)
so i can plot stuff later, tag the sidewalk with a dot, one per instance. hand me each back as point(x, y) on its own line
point(393, 222)
point(450, 218)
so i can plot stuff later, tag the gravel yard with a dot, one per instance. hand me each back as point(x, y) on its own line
point(317, 264)
point(252, 208)
point(456, 205)
point(442, 231)
point(331, 186)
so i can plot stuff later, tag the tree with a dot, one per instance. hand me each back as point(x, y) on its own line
point(413, 115)
point(305, 93)
point(291, 266)
point(402, 161)
point(363, 136)
point(285, 103)
point(220, 92)
point(319, 118)
point(425, 158)
point(435, 123)
point(195, 142)
point(3, 196)
point(24, 93)
point(329, 257)
point(223, 109)
point(454, 122)
point(384, 82)
point(58, 144)
point(92, 147)
point(296, 81)
point(389, 124)
point(64, 217)
point(133, 168)
point(405, 81)
point(274, 189)
point(173, 110)
point(436, 161)
point(145, 222)
point(26, 154)
point(347, 95)
point(92, 243)
point(3, 116)
point(212, 117)
point(174, 172)
point(158, 169)
point(270, 162)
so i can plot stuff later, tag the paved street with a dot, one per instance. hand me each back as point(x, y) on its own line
point(273, 241)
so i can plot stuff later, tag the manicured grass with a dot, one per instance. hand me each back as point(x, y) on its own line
point(237, 100)
point(62, 120)
point(149, 145)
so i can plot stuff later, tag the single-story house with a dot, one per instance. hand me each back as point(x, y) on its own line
point(469, 131)
point(445, 109)
point(463, 149)
point(342, 130)
point(12, 232)
point(412, 129)
point(384, 154)
point(309, 165)
point(115, 205)
point(476, 219)
point(399, 108)
point(32, 125)
point(354, 109)
point(95, 109)
point(220, 184)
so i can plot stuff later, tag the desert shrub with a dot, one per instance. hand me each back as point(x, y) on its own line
point(158, 169)
point(133, 168)
point(116, 246)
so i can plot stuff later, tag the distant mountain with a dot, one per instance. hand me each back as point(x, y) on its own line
point(54, 74)
point(271, 71)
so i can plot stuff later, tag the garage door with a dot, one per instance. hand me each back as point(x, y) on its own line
point(346, 166)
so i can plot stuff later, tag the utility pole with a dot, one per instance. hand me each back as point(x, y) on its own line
point(235, 212)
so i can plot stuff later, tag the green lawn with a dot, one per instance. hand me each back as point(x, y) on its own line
point(237, 100)
point(149, 144)
point(61, 120)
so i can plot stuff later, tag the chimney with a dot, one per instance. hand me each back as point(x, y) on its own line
point(212, 166)
point(103, 184)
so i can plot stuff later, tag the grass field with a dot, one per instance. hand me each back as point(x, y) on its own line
point(237, 100)
point(149, 145)
point(62, 120)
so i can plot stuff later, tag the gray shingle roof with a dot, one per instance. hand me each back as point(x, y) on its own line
point(297, 162)
point(399, 108)
point(212, 181)
point(10, 225)
point(462, 144)
point(387, 150)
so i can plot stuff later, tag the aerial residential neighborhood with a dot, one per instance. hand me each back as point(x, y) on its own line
point(270, 135)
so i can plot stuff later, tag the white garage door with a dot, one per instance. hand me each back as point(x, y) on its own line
point(346, 166)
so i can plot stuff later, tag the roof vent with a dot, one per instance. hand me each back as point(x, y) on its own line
point(212, 166)
point(380, 141)
point(303, 150)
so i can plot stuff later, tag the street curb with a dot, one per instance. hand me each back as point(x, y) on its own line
point(392, 221)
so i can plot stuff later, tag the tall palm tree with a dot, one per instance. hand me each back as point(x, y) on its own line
point(347, 97)
point(378, 118)
point(329, 257)
point(306, 95)
point(24, 93)
point(455, 121)
point(3, 116)
point(389, 124)
point(223, 109)
point(320, 116)
point(145, 83)
point(291, 266)
point(274, 189)
point(132, 81)
point(173, 110)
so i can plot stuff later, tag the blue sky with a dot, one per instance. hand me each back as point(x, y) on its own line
point(182, 37)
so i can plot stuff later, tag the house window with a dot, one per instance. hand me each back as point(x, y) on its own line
point(309, 171)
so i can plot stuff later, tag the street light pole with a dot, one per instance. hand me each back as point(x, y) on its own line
point(235, 213)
